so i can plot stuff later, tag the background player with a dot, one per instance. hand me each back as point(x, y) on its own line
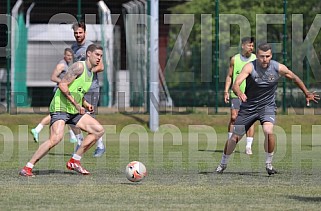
point(92, 96)
point(236, 64)
point(56, 76)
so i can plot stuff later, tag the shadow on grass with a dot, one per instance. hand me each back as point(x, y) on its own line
point(140, 120)
point(317, 145)
point(305, 198)
point(131, 183)
point(251, 174)
point(60, 154)
point(212, 150)
point(52, 171)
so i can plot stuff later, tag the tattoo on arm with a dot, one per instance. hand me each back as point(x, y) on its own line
point(73, 72)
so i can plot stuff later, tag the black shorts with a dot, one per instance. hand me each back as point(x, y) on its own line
point(71, 119)
point(247, 117)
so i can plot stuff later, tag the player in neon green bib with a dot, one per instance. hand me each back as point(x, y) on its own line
point(77, 90)
point(69, 107)
point(92, 96)
point(236, 64)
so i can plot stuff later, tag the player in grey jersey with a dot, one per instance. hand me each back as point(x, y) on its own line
point(92, 96)
point(258, 102)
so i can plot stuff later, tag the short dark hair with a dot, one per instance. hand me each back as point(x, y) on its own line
point(247, 40)
point(68, 50)
point(79, 25)
point(264, 47)
point(93, 47)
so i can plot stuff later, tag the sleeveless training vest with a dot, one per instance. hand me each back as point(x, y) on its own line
point(77, 88)
point(238, 65)
point(80, 55)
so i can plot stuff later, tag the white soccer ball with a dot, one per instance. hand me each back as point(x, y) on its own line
point(135, 171)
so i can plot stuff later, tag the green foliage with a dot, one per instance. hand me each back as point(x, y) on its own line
point(189, 56)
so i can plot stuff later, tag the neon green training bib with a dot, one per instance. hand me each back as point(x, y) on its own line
point(78, 88)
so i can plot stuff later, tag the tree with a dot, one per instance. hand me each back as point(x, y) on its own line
point(188, 56)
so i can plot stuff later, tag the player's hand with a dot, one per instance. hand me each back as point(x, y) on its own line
point(82, 110)
point(226, 97)
point(243, 97)
point(90, 108)
point(312, 96)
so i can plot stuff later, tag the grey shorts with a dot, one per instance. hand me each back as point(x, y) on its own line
point(92, 98)
point(235, 103)
point(247, 117)
point(71, 119)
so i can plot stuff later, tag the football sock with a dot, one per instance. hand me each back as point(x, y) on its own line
point(269, 157)
point(80, 138)
point(76, 157)
point(29, 165)
point(225, 159)
point(100, 143)
point(39, 128)
point(72, 134)
point(249, 141)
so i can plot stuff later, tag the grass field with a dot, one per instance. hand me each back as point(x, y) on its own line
point(180, 160)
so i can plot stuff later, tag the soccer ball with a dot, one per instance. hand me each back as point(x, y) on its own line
point(135, 171)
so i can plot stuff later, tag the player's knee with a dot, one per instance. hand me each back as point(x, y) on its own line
point(99, 131)
point(54, 140)
point(233, 118)
point(268, 131)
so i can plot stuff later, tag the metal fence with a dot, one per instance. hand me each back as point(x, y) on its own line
point(194, 51)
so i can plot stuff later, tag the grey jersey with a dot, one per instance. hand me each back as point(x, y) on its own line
point(63, 72)
point(80, 50)
point(80, 55)
point(261, 85)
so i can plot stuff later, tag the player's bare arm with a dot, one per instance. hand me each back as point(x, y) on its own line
point(87, 105)
point(228, 81)
point(245, 72)
point(283, 70)
point(74, 71)
point(55, 73)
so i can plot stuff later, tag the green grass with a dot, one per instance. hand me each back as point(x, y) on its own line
point(180, 160)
